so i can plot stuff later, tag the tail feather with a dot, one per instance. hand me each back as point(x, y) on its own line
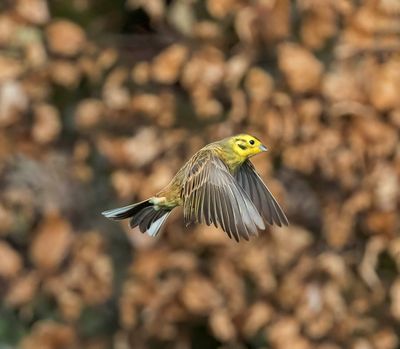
point(136, 219)
point(157, 225)
point(126, 211)
point(144, 219)
point(142, 214)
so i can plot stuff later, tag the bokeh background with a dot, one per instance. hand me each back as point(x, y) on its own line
point(102, 101)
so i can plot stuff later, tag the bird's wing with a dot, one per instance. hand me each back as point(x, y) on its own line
point(263, 199)
point(211, 195)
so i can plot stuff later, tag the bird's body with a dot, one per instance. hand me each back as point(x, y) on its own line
point(219, 186)
point(171, 194)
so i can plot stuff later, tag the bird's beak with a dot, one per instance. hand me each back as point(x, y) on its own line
point(262, 147)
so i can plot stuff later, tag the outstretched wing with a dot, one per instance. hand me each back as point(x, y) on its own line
point(211, 195)
point(265, 202)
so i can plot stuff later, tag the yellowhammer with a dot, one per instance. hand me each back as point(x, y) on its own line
point(219, 186)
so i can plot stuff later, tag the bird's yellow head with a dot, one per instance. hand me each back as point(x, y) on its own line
point(246, 146)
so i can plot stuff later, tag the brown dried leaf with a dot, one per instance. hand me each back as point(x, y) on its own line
point(209, 235)
point(383, 92)
point(206, 67)
point(143, 148)
point(222, 8)
point(167, 65)
point(290, 242)
point(141, 73)
point(65, 73)
point(10, 68)
point(274, 19)
point(342, 84)
point(48, 334)
point(257, 317)
point(8, 27)
point(70, 305)
point(33, 11)
point(338, 226)
point(160, 176)
point(259, 84)
point(51, 243)
point(386, 338)
point(395, 299)
point(47, 124)
point(89, 113)
point(325, 20)
point(65, 38)
point(222, 326)
point(207, 31)
point(155, 8)
point(199, 295)
point(284, 331)
point(10, 261)
point(22, 290)
point(300, 67)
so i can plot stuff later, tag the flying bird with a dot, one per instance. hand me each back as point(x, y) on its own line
point(218, 185)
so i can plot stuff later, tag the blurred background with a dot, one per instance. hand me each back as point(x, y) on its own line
point(102, 101)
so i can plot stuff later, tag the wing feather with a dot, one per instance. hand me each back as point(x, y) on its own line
point(243, 226)
point(211, 195)
point(263, 199)
point(213, 203)
point(219, 209)
point(226, 218)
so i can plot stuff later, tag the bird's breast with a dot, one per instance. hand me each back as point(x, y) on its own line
point(231, 159)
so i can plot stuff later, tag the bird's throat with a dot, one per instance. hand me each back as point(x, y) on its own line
point(231, 159)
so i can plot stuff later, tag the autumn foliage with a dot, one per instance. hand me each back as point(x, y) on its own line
point(100, 104)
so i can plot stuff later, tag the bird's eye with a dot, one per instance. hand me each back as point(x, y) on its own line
point(251, 142)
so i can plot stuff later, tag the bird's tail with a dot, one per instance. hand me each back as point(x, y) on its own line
point(142, 214)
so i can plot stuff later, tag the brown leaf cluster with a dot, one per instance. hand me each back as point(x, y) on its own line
point(83, 129)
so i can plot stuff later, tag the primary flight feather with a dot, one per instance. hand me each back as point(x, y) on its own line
point(218, 185)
